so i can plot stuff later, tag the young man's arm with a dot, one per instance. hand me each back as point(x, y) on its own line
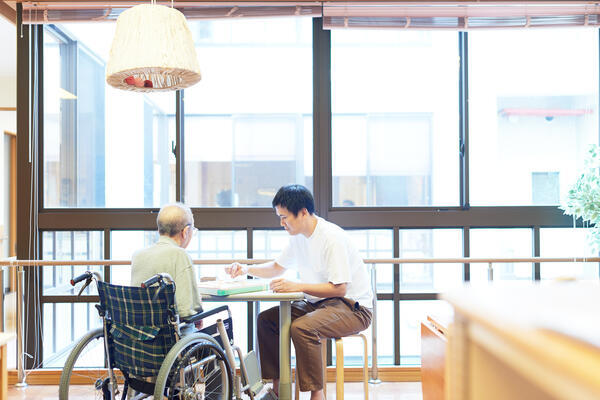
point(267, 270)
point(323, 290)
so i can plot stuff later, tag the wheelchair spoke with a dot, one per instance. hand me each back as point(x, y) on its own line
point(201, 374)
point(84, 375)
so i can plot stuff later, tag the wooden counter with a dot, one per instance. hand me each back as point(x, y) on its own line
point(536, 342)
point(433, 355)
point(5, 337)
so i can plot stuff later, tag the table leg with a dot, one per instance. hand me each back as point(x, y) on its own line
point(285, 359)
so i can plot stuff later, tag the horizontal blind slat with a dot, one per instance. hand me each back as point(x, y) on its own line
point(459, 15)
point(67, 12)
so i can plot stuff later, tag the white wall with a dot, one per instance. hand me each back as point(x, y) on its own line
point(8, 122)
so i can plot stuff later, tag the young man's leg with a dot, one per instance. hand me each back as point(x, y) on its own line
point(331, 318)
point(267, 331)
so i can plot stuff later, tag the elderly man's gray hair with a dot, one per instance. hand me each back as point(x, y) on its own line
point(173, 218)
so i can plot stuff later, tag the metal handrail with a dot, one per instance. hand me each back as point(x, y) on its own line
point(456, 260)
point(21, 264)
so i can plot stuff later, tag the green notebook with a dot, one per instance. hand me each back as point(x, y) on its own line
point(225, 288)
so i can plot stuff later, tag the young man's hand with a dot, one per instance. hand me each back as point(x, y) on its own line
point(236, 269)
point(284, 286)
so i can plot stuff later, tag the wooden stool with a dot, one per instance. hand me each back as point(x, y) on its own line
point(339, 368)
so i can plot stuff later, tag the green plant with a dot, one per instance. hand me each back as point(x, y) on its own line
point(583, 199)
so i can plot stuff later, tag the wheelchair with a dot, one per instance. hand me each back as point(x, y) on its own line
point(144, 339)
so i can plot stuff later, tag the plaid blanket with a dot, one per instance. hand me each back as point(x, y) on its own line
point(140, 333)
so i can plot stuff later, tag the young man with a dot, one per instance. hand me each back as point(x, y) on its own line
point(333, 278)
point(176, 228)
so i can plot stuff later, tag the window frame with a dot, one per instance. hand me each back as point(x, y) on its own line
point(38, 219)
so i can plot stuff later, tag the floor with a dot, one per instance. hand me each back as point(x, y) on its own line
point(353, 391)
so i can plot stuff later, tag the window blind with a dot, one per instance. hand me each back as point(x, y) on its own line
point(460, 15)
point(60, 12)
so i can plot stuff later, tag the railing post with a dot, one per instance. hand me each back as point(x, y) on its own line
point(374, 372)
point(490, 272)
point(20, 336)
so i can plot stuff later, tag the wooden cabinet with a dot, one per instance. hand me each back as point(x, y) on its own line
point(4, 339)
point(536, 342)
point(433, 356)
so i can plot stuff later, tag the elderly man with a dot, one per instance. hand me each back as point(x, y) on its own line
point(176, 228)
point(333, 278)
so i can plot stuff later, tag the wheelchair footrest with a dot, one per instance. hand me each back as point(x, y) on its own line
point(252, 368)
point(268, 395)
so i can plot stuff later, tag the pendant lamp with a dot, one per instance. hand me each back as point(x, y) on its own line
point(153, 50)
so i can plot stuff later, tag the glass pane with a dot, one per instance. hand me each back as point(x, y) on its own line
point(268, 244)
point(430, 243)
point(502, 243)
point(395, 118)
point(561, 242)
point(64, 324)
point(376, 244)
point(248, 123)
point(533, 110)
point(70, 245)
point(123, 245)
point(227, 245)
point(412, 313)
point(353, 347)
point(385, 333)
point(92, 132)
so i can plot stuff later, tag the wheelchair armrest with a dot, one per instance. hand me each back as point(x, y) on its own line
point(196, 317)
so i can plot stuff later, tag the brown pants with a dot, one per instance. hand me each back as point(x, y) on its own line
point(330, 318)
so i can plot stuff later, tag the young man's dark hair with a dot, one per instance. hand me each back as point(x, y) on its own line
point(294, 198)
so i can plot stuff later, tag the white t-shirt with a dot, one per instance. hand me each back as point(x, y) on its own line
point(328, 255)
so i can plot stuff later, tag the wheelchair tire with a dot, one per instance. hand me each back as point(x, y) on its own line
point(88, 353)
point(195, 368)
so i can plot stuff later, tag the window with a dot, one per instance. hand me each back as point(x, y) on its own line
point(248, 126)
point(502, 243)
point(544, 188)
point(430, 243)
point(61, 328)
point(62, 331)
point(533, 110)
point(561, 242)
point(395, 118)
point(70, 245)
point(269, 245)
point(376, 244)
point(83, 118)
point(123, 245)
point(109, 156)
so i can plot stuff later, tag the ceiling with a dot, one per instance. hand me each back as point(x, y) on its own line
point(8, 48)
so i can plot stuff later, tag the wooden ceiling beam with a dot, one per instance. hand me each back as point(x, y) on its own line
point(8, 12)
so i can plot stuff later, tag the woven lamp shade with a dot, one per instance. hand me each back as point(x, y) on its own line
point(152, 50)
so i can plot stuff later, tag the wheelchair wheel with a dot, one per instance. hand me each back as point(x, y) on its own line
point(84, 374)
point(195, 369)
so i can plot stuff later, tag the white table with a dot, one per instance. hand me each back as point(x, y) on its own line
point(285, 321)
